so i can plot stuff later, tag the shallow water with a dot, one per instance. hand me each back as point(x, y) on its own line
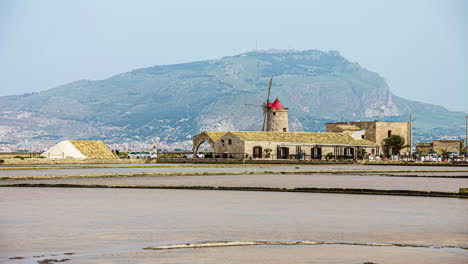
point(325, 254)
point(114, 225)
point(276, 180)
point(220, 168)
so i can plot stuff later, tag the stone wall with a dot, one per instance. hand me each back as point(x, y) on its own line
point(395, 128)
point(441, 146)
point(370, 127)
point(277, 120)
point(229, 144)
point(424, 147)
point(248, 146)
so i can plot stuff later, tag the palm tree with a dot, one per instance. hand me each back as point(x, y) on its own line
point(393, 144)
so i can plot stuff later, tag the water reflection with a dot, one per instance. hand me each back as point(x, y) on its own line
point(103, 224)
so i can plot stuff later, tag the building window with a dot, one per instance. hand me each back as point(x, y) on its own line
point(282, 153)
point(284, 129)
point(316, 153)
point(274, 113)
point(257, 152)
point(389, 133)
point(363, 137)
point(373, 151)
point(229, 141)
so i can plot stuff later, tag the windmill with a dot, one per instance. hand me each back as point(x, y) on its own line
point(265, 106)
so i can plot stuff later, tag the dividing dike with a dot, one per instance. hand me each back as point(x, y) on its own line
point(461, 194)
point(214, 173)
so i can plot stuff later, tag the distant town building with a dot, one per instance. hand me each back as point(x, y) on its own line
point(79, 149)
point(440, 147)
point(375, 131)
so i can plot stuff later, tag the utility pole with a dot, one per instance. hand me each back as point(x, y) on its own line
point(410, 134)
point(466, 138)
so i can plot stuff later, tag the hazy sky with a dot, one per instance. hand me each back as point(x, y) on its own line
point(420, 47)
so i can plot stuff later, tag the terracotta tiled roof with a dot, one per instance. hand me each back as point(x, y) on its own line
point(276, 105)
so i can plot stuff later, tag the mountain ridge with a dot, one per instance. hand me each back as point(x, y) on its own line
point(174, 102)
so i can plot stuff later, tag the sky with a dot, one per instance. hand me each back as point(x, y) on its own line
point(420, 47)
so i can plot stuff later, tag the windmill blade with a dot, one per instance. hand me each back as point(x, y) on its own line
point(264, 127)
point(269, 89)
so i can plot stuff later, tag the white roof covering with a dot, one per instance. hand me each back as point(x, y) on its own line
point(62, 150)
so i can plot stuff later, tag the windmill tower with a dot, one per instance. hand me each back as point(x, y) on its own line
point(275, 116)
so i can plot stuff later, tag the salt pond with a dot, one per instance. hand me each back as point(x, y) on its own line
point(114, 225)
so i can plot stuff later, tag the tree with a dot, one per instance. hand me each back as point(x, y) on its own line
point(394, 144)
point(267, 152)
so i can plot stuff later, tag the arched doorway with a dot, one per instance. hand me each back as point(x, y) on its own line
point(205, 149)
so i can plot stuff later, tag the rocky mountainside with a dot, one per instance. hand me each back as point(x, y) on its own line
point(174, 102)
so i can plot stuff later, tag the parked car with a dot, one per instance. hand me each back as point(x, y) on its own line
point(133, 155)
point(142, 155)
point(190, 155)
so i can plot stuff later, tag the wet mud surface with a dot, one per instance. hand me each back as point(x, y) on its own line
point(115, 225)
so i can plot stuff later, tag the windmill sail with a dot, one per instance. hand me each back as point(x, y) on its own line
point(267, 104)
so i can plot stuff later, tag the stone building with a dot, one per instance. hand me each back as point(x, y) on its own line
point(278, 143)
point(281, 145)
point(440, 146)
point(375, 131)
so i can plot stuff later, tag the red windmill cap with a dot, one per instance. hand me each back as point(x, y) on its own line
point(276, 105)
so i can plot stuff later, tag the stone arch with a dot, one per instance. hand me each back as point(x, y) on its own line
point(195, 150)
point(208, 137)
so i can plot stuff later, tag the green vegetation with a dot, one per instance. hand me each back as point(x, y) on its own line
point(393, 145)
point(267, 152)
point(171, 154)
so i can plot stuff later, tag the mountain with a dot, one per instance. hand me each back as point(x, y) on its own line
point(174, 102)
